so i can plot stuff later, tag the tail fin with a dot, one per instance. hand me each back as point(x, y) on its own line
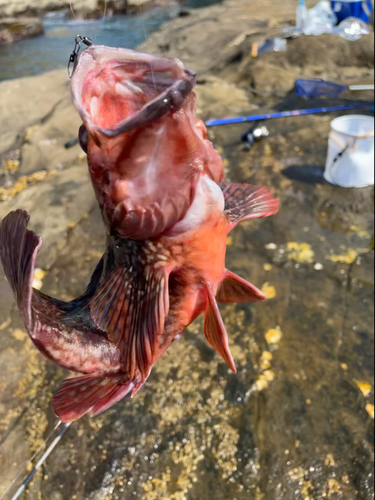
point(90, 393)
point(245, 202)
point(18, 251)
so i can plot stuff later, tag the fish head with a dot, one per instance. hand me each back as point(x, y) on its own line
point(117, 91)
point(146, 148)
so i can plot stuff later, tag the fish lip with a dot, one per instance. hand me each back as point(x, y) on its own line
point(169, 101)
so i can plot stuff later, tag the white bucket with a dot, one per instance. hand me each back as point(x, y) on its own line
point(350, 161)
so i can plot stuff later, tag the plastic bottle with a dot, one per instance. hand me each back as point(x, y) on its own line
point(302, 13)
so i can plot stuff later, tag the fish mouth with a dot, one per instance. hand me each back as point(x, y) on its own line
point(118, 90)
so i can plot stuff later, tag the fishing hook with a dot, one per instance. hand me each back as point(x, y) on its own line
point(79, 40)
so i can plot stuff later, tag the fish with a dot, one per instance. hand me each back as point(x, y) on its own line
point(159, 273)
point(125, 321)
point(139, 129)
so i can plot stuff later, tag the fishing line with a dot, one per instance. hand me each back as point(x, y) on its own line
point(58, 424)
point(152, 71)
point(72, 10)
point(48, 452)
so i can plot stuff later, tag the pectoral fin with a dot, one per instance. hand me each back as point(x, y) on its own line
point(235, 290)
point(131, 307)
point(245, 202)
point(215, 331)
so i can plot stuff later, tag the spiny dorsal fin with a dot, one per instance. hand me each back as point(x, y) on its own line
point(19, 248)
point(235, 290)
point(215, 331)
point(131, 307)
point(245, 202)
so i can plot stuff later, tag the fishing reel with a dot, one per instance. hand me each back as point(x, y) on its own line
point(253, 135)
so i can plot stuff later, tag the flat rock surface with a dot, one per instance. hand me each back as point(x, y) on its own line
point(296, 423)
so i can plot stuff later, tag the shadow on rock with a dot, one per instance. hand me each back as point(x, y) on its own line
point(309, 174)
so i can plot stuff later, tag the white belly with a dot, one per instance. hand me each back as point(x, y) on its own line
point(209, 198)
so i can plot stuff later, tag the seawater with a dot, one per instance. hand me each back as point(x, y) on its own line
point(51, 51)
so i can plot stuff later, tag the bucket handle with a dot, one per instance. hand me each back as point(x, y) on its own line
point(352, 143)
point(367, 10)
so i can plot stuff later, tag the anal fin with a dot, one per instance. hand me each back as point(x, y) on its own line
point(235, 290)
point(89, 393)
point(215, 331)
point(131, 307)
point(245, 202)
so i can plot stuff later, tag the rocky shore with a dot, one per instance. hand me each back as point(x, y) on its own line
point(296, 423)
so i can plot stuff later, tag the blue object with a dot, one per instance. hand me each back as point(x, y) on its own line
point(318, 88)
point(352, 8)
point(284, 114)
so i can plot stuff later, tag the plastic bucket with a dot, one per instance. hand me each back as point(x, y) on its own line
point(350, 160)
point(353, 8)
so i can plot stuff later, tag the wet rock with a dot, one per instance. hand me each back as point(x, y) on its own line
point(12, 29)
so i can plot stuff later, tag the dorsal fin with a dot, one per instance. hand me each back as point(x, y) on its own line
point(131, 306)
point(245, 202)
point(215, 331)
point(235, 290)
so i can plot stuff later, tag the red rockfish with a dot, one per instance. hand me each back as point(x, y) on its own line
point(160, 271)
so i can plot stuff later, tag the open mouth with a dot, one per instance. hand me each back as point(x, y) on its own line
point(119, 90)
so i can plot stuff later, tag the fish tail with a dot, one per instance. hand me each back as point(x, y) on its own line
point(19, 248)
point(91, 394)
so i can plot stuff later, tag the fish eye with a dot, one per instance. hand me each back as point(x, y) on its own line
point(83, 138)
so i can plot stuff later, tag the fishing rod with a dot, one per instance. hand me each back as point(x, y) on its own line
point(284, 114)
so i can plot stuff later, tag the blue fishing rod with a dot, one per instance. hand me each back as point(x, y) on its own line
point(285, 114)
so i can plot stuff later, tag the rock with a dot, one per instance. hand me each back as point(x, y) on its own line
point(137, 5)
point(227, 51)
point(12, 29)
point(211, 35)
point(38, 7)
point(218, 98)
point(75, 8)
point(27, 102)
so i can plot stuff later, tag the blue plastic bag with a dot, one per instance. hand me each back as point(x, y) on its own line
point(352, 8)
